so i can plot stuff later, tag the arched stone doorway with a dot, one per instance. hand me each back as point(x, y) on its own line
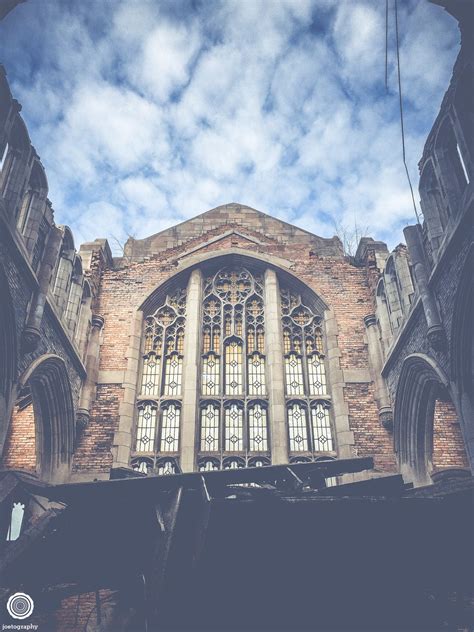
point(41, 437)
point(426, 428)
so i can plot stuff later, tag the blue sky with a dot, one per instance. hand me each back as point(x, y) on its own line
point(146, 113)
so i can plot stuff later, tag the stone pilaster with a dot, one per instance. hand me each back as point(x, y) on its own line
point(92, 369)
point(189, 412)
point(436, 333)
point(31, 333)
point(275, 369)
point(344, 435)
point(376, 365)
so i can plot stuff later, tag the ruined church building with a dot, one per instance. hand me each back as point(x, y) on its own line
point(234, 340)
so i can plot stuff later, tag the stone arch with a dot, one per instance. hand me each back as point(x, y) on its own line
point(435, 210)
point(53, 407)
point(233, 256)
point(383, 316)
point(421, 384)
point(15, 171)
point(8, 356)
point(446, 149)
point(462, 352)
point(393, 293)
point(149, 303)
point(73, 304)
point(33, 201)
point(464, 108)
point(64, 269)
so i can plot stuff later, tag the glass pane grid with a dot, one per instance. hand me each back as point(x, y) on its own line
point(258, 433)
point(146, 428)
point(170, 428)
point(234, 428)
point(294, 375)
point(256, 375)
point(210, 428)
point(298, 430)
point(322, 432)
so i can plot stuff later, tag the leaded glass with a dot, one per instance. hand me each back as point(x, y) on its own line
point(210, 374)
point(161, 376)
point(167, 467)
point(233, 368)
point(208, 465)
point(322, 434)
point(173, 374)
point(151, 375)
point(305, 377)
point(146, 427)
point(294, 375)
point(233, 365)
point(210, 428)
point(258, 432)
point(316, 375)
point(170, 418)
point(298, 430)
point(234, 428)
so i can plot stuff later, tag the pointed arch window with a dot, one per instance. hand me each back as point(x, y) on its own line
point(308, 405)
point(159, 403)
point(233, 409)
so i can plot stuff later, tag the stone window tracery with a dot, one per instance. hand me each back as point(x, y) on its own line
point(235, 420)
point(309, 426)
point(232, 414)
point(159, 405)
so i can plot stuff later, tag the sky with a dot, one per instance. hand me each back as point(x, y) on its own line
point(146, 112)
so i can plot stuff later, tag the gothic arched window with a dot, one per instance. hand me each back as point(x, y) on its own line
point(159, 404)
point(309, 426)
point(233, 409)
point(227, 409)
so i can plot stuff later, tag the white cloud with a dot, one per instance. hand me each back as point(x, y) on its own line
point(147, 113)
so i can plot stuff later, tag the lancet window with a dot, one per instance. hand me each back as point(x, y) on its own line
point(233, 409)
point(159, 404)
point(308, 406)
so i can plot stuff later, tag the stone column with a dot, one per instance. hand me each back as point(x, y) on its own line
point(376, 365)
point(191, 362)
point(92, 370)
point(275, 369)
point(31, 333)
point(344, 435)
point(14, 175)
point(436, 333)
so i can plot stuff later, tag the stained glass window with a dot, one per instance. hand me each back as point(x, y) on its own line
point(170, 428)
point(210, 428)
point(258, 429)
point(298, 428)
point(233, 367)
point(158, 420)
point(146, 428)
point(322, 434)
point(234, 428)
point(309, 425)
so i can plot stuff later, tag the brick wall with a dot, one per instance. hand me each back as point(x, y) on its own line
point(20, 446)
point(448, 444)
point(371, 439)
point(342, 285)
point(93, 447)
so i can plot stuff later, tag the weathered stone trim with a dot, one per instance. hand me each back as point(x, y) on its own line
point(275, 369)
point(344, 436)
point(123, 437)
point(191, 366)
